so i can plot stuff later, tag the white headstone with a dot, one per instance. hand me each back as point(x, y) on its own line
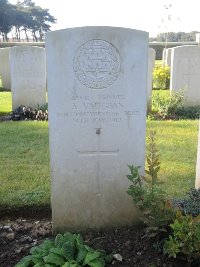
point(167, 57)
point(5, 68)
point(97, 79)
point(185, 73)
point(151, 64)
point(28, 76)
point(164, 57)
point(198, 38)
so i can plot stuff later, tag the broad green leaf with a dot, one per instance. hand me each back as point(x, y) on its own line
point(54, 259)
point(82, 252)
point(38, 259)
point(25, 262)
point(79, 241)
point(88, 248)
point(69, 250)
point(59, 240)
point(91, 256)
point(69, 237)
point(74, 264)
point(97, 263)
point(58, 251)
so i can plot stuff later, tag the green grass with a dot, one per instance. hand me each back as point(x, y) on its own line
point(5, 103)
point(177, 143)
point(24, 168)
point(24, 154)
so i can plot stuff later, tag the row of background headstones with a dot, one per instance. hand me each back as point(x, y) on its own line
point(25, 67)
point(28, 74)
point(184, 63)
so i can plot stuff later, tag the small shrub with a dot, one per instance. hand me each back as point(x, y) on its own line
point(161, 77)
point(185, 238)
point(68, 250)
point(191, 112)
point(166, 106)
point(189, 204)
point(146, 193)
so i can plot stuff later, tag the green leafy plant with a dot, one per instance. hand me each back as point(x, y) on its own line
point(168, 105)
point(161, 77)
point(145, 191)
point(191, 112)
point(68, 250)
point(152, 158)
point(189, 204)
point(185, 238)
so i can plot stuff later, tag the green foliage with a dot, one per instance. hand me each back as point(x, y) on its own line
point(167, 106)
point(161, 77)
point(185, 238)
point(5, 103)
point(191, 112)
point(152, 159)
point(189, 204)
point(146, 193)
point(68, 250)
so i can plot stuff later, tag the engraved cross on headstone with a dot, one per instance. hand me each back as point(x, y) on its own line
point(98, 153)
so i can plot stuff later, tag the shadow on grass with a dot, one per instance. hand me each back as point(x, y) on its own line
point(4, 113)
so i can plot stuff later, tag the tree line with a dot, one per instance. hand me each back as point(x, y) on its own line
point(24, 19)
point(175, 37)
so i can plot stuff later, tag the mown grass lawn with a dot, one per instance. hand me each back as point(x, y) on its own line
point(25, 170)
point(177, 143)
point(5, 103)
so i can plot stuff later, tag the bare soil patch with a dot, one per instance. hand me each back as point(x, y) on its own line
point(17, 236)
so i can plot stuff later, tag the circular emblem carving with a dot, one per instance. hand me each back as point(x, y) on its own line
point(97, 64)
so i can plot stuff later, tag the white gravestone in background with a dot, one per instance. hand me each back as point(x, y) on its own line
point(167, 57)
point(97, 79)
point(5, 68)
point(185, 73)
point(164, 56)
point(151, 64)
point(28, 76)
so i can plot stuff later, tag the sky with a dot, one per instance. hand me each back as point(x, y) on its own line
point(153, 16)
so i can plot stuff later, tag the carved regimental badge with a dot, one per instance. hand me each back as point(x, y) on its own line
point(97, 64)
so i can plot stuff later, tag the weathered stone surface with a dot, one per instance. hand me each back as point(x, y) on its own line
point(167, 57)
point(28, 76)
point(5, 68)
point(185, 73)
point(151, 64)
point(97, 86)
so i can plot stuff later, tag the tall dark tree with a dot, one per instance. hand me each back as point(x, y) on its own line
point(6, 12)
point(38, 21)
point(177, 36)
point(24, 17)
